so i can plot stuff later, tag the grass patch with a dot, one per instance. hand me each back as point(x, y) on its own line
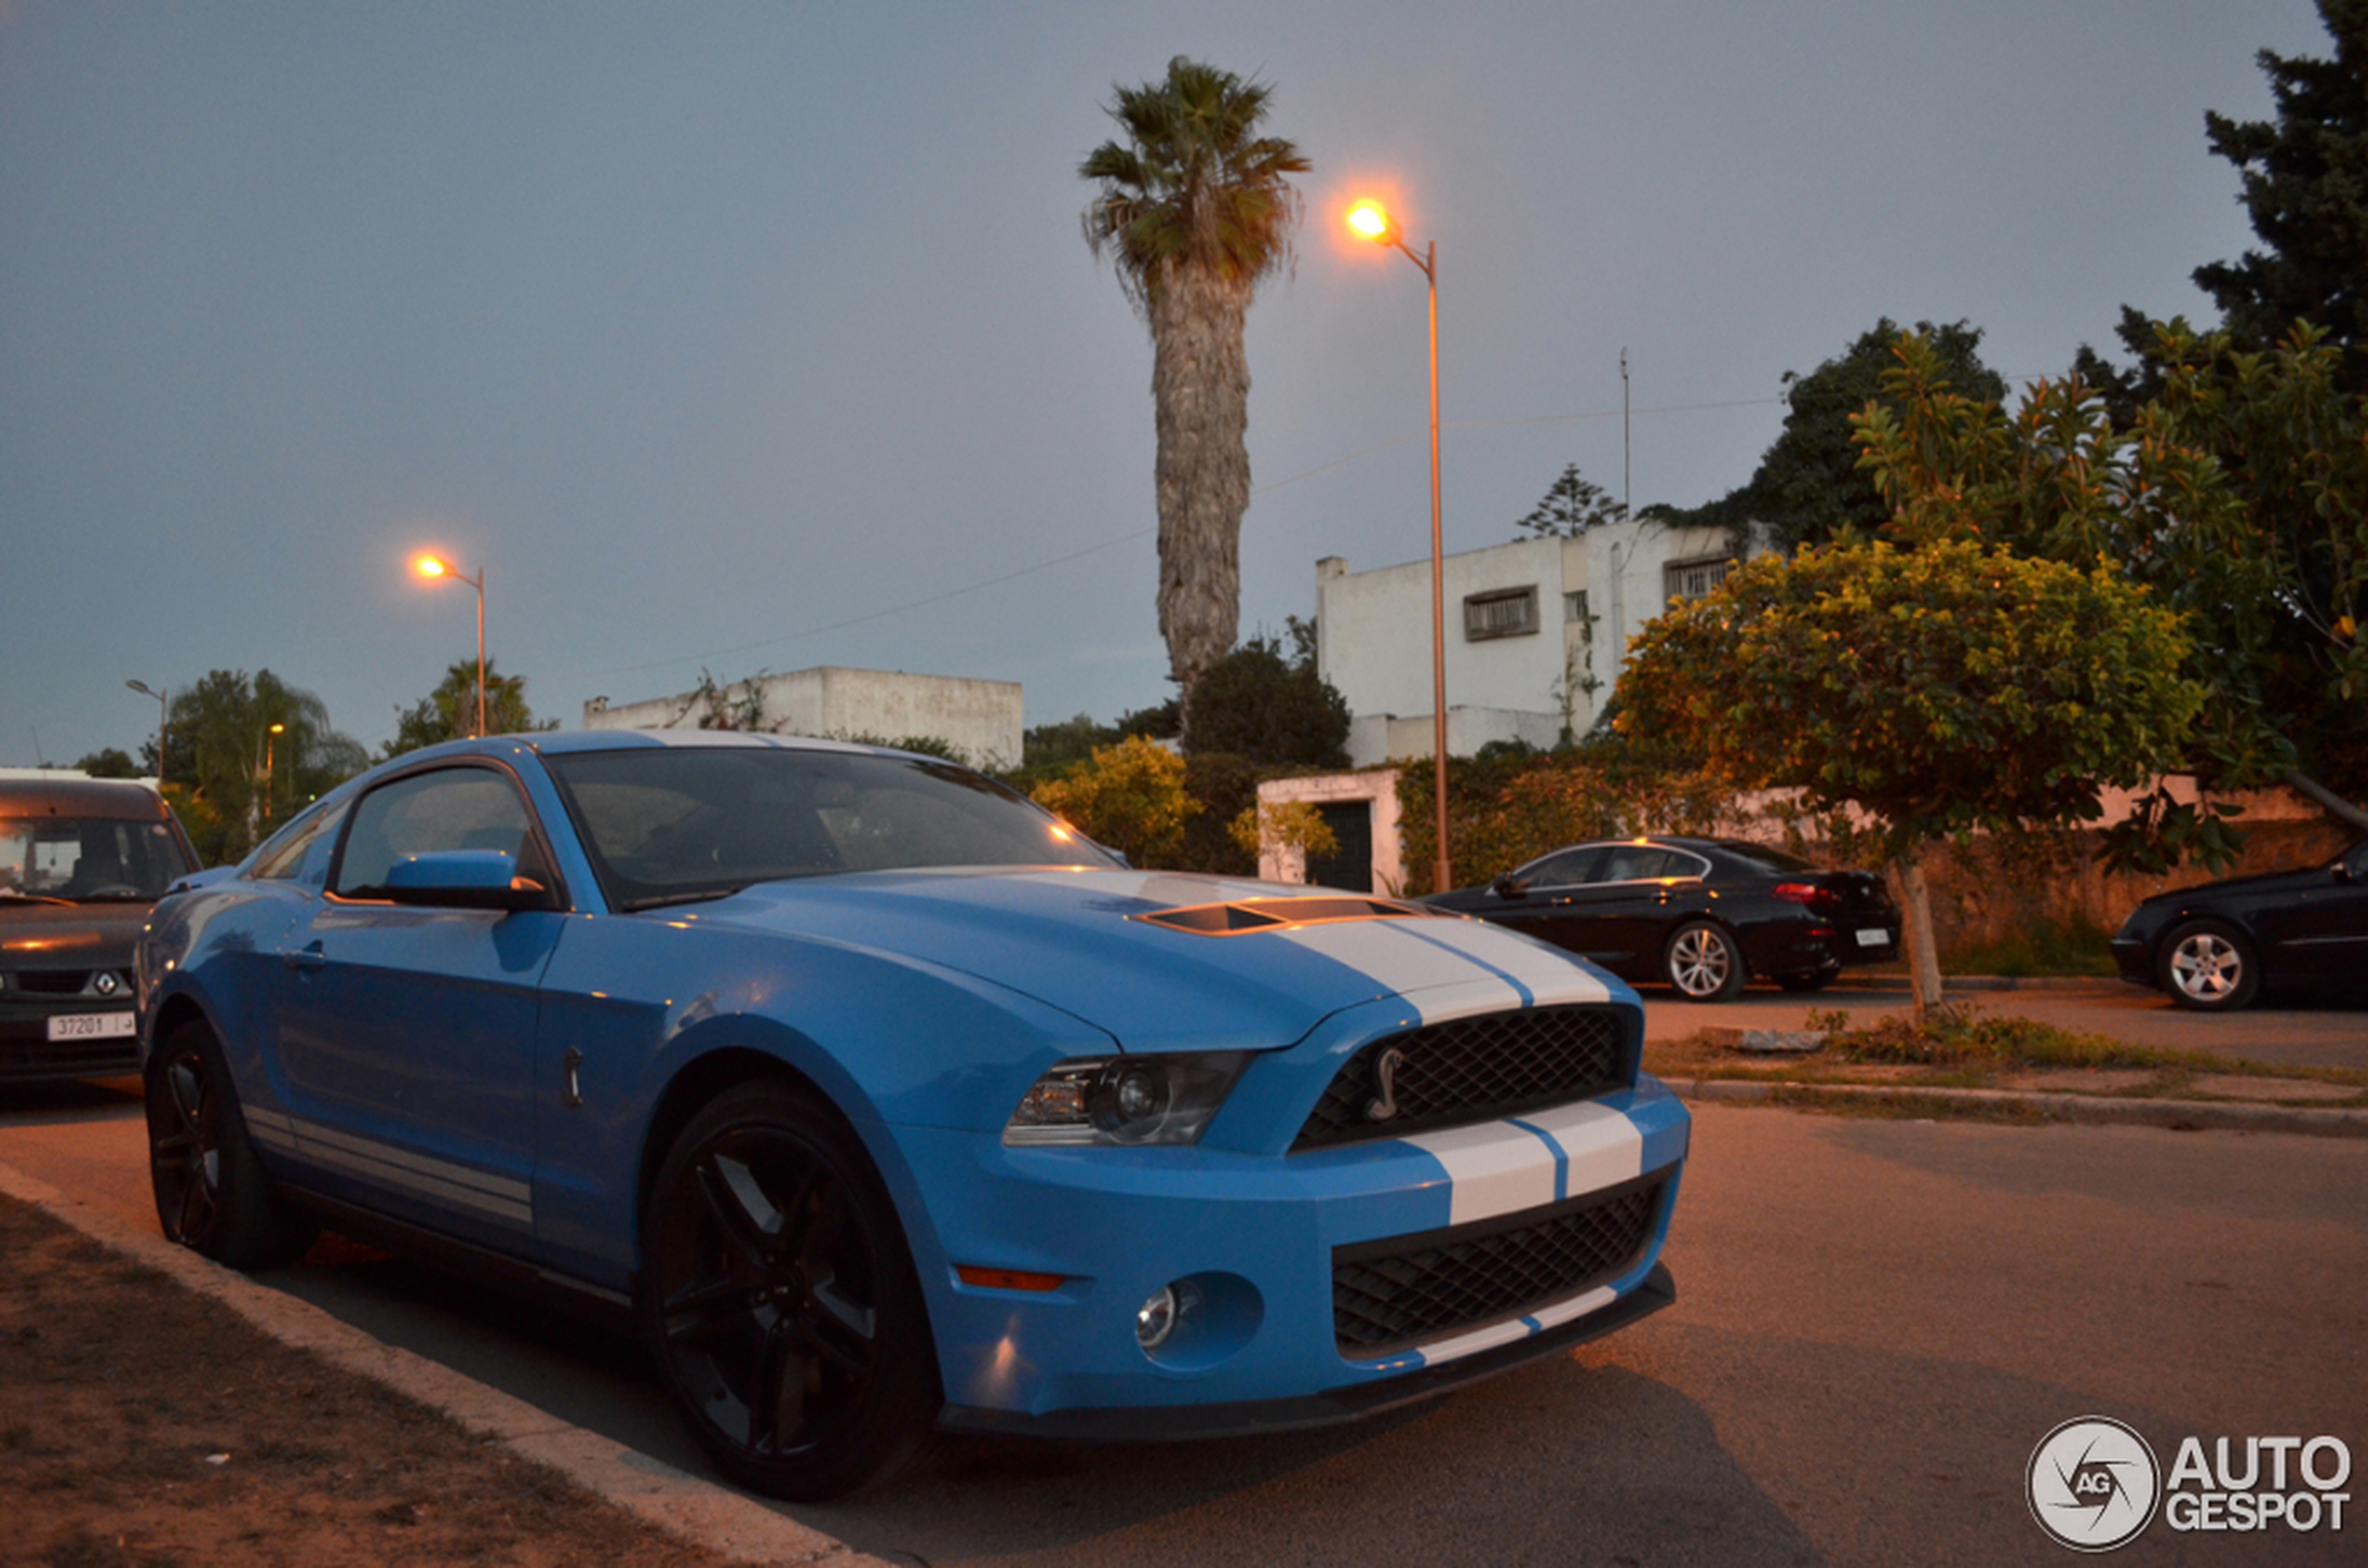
point(1962, 1034)
point(2076, 946)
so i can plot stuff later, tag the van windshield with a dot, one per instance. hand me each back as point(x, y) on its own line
point(89, 860)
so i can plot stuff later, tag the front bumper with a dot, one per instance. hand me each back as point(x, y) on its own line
point(28, 1054)
point(1263, 1243)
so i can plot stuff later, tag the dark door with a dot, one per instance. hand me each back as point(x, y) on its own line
point(1633, 897)
point(1350, 868)
point(2319, 936)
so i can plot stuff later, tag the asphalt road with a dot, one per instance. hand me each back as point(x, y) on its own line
point(1878, 1321)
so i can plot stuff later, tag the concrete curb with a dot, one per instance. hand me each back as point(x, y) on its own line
point(686, 1507)
point(2093, 1109)
point(2094, 983)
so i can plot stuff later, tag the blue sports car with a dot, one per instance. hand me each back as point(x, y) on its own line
point(885, 1103)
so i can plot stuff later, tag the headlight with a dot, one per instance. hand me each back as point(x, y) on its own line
point(1132, 1100)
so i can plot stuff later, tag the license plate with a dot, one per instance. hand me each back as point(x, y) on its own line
point(1874, 936)
point(92, 1026)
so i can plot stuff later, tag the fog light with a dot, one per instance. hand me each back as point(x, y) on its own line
point(1158, 1318)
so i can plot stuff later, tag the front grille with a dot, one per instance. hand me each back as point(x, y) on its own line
point(1470, 1069)
point(1405, 1289)
point(50, 982)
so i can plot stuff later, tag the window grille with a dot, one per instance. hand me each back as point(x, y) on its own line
point(1501, 612)
point(1685, 580)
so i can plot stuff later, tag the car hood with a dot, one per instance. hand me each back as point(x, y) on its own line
point(1079, 941)
point(2294, 881)
point(68, 936)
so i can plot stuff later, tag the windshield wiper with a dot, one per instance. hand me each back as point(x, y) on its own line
point(661, 901)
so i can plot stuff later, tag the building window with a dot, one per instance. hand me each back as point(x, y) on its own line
point(1502, 613)
point(1685, 580)
point(1574, 605)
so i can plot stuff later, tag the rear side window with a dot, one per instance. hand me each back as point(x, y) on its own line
point(453, 808)
point(1642, 863)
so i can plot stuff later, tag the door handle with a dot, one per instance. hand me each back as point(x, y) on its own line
point(305, 957)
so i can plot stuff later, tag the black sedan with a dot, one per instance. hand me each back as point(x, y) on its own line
point(2220, 945)
point(1701, 914)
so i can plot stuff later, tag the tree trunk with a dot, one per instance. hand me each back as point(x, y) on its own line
point(1201, 388)
point(2333, 803)
point(1923, 953)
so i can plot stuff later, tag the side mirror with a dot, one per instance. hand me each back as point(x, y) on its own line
point(1508, 886)
point(465, 879)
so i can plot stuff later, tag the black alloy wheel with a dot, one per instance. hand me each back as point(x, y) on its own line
point(2208, 966)
point(210, 1192)
point(1703, 963)
point(780, 1299)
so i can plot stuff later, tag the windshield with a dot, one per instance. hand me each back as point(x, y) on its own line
point(666, 825)
point(89, 860)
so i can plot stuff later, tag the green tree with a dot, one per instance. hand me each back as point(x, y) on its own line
point(1254, 703)
point(1939, 691)
point(112, 762)
point(2239, 494)
point(1571, 507)
point(1129, 796)
point(242, 776)
point(1192, 210)
point(2305, 189)
point(1809, 488)
point(449, 713)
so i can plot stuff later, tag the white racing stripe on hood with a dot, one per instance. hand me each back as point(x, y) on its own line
point(1553, 976)
point(1397, 958)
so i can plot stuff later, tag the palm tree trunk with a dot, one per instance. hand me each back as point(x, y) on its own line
point(1201, 388)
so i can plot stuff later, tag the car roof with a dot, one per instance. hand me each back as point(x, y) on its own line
point(80, 797)
point(563, 742)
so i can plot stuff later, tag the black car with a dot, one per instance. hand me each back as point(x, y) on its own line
point(81, 863)
point(1703, 915)
point(2220, 945)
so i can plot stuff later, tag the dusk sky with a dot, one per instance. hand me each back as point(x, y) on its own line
point(762, 337)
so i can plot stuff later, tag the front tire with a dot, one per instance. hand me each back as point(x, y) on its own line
point(212, 1193)
point(1703, 963)
point(2210, 967)
point(779, 1299)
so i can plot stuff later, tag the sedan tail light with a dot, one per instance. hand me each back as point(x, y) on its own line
point(1810, 893)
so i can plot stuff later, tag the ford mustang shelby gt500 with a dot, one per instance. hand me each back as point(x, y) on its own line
point(885, 1101)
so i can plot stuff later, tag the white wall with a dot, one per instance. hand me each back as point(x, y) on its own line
point(1373, 637)
point(980, 719)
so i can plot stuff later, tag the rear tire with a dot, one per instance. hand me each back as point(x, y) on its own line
point(779, 1300)
point(212, 1193)
point(2208, 966)
point(1703, 963)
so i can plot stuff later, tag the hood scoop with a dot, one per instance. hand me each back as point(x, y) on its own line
point(1245, 917)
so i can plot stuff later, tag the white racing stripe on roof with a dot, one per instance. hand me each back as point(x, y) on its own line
point(1518, 1328)
point(1493, 1168)
point(1398, 960)
point(1602, 1146)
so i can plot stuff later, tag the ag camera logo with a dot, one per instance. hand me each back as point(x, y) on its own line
point(2092, 1483)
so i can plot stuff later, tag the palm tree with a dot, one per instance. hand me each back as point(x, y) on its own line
point(1194, 210)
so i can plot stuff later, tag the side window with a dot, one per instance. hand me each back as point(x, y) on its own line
point(1642, 863)
point(1562, 870)
point(454, 808)
point(285, 855)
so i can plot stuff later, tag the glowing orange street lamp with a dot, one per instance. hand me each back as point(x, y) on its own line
point(1370, 220)
point(435, 569)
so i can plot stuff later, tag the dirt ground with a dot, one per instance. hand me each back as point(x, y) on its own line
point(141, 1424)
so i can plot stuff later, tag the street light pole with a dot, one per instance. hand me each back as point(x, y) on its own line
point(1370, 220)
point(436, 567)
point(163, 709)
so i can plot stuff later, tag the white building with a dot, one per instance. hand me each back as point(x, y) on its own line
point(1536, 632)
point(979, 719)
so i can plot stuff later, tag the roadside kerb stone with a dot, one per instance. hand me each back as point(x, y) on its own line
point(2180, 1115)
point(687, 1506)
